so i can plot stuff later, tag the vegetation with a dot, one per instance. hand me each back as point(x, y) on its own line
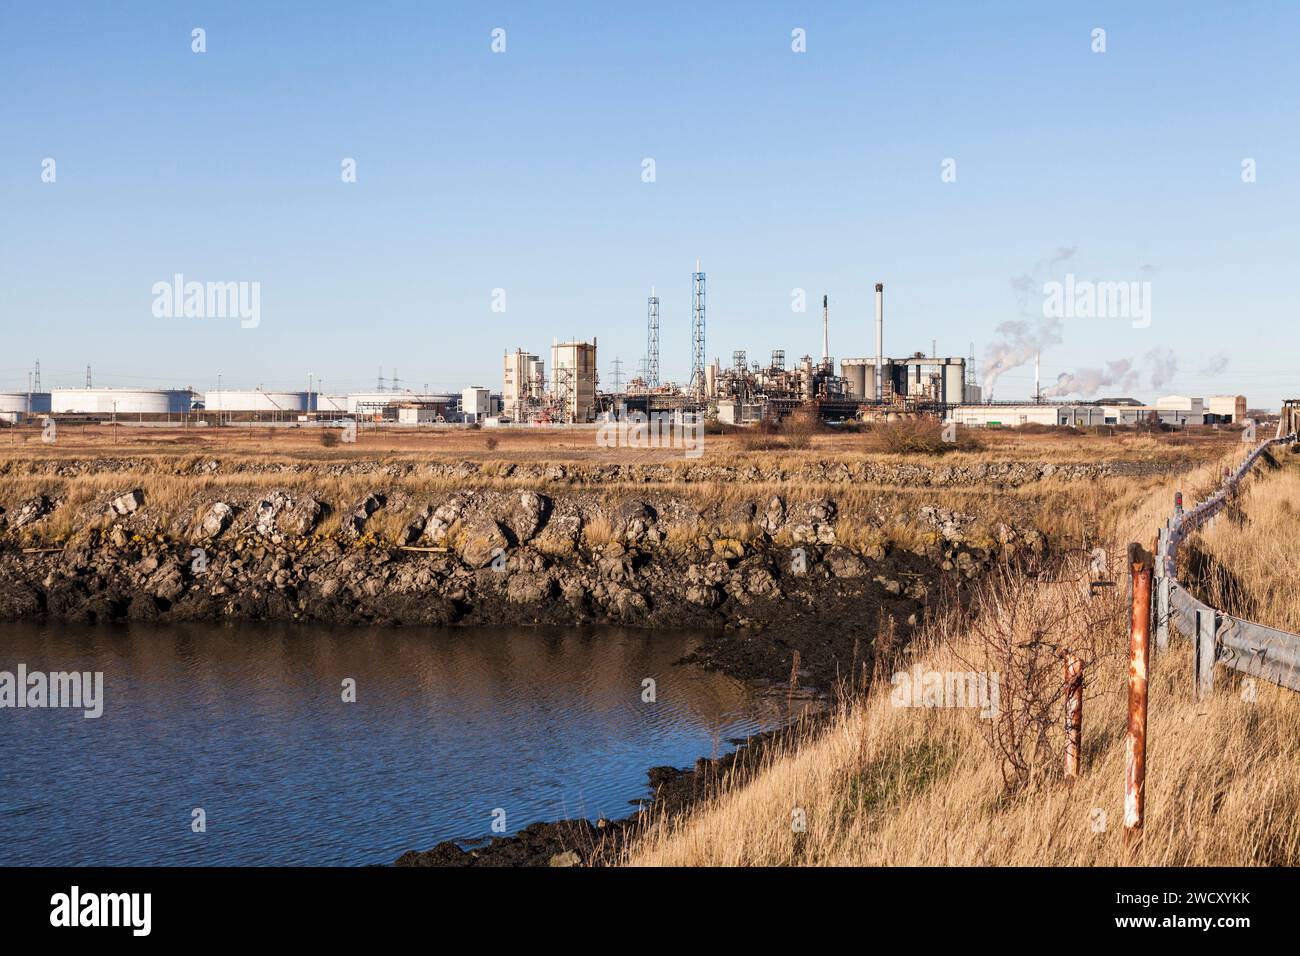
point(890, 785)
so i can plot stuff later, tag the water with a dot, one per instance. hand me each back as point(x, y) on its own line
point(247, 722)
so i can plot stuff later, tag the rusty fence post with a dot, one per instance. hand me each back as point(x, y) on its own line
point(1073, 713)
point(1135, 746)
point(1203, 668)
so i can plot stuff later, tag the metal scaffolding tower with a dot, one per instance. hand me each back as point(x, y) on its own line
point(652, 340)
point(697, 389)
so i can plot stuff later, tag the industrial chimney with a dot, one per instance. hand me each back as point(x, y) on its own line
point(826, 334)
point(880, 340)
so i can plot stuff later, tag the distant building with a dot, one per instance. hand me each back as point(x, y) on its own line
point(573, 380)
point(1176, 410)
point(475, 404)
point(523, 384)
point(1226, 409)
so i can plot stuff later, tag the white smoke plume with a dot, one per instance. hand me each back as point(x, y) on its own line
point(1087, 382)
point(1217, 365)
point(1020, 340)
point(1164, 366)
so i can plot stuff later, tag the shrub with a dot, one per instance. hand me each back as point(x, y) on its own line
point(329, 437)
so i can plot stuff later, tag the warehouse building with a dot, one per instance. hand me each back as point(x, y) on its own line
point(1178, 411)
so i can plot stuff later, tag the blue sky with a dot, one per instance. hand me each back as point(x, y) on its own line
point(523, 171)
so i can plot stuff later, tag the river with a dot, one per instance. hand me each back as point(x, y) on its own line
point(450, 730)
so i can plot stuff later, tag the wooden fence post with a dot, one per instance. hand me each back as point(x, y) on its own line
point(1162, 614)
point(1135, 745)
point(1073, 713)
point(1203, 672)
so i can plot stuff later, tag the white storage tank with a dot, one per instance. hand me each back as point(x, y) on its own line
point(25, 403)
point(254, 400)
point(122, 401)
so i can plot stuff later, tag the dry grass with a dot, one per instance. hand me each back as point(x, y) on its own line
point(890, 785)
point(1253, 550)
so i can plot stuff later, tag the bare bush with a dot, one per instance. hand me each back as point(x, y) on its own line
point(913, 436)
point(1025, 619)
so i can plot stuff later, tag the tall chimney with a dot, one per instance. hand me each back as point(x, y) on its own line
point(1038, 392)
point(880, 340)
point(826, 335)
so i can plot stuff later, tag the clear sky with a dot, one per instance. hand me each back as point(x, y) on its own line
point(523, 171)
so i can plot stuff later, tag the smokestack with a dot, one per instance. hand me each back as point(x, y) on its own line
point(826, 335)
point(1038, 392)
point(880, 340)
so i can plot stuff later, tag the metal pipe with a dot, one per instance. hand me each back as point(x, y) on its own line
point(1135, 745)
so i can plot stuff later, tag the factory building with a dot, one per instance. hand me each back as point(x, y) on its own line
point(380, 404)
point(477, 404)
point(121, 401)
point(523, 386)
point(1226, 409)
point(1178, 411)
point(573, 380)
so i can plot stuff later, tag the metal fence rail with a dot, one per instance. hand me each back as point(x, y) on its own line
point(1221, 638)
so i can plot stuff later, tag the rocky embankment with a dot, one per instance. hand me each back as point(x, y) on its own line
point(772, 469)
point(480, 557)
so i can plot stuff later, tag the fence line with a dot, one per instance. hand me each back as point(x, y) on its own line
point(1242, 645)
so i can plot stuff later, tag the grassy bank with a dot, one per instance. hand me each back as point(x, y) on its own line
point(896, 785)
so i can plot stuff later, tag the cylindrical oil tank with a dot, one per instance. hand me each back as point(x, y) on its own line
point(122, 401)
point(25, 403)
point(254, 400)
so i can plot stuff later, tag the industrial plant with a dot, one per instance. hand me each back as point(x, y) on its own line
point(567, 391)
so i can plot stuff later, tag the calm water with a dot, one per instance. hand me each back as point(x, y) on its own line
point(247, 722)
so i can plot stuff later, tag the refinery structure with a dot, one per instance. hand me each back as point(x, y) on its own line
point(564, 388)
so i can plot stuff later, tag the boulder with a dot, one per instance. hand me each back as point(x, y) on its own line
point(442, 518)
point(34, 509)
point(529, 588)
point(529, 515)
point(127, 503)
point(561, 535)
point(634, 519)
point(216, 520)
point(845, 564)
point(355, 522)
point(774, 515)
point(484, 540)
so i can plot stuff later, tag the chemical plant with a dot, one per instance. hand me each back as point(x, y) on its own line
point(567, 391)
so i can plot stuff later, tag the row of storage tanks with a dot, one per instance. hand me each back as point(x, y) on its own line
point(168, 401)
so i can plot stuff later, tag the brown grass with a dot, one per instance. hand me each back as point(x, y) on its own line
point(889, 785)
point(1253, 550)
